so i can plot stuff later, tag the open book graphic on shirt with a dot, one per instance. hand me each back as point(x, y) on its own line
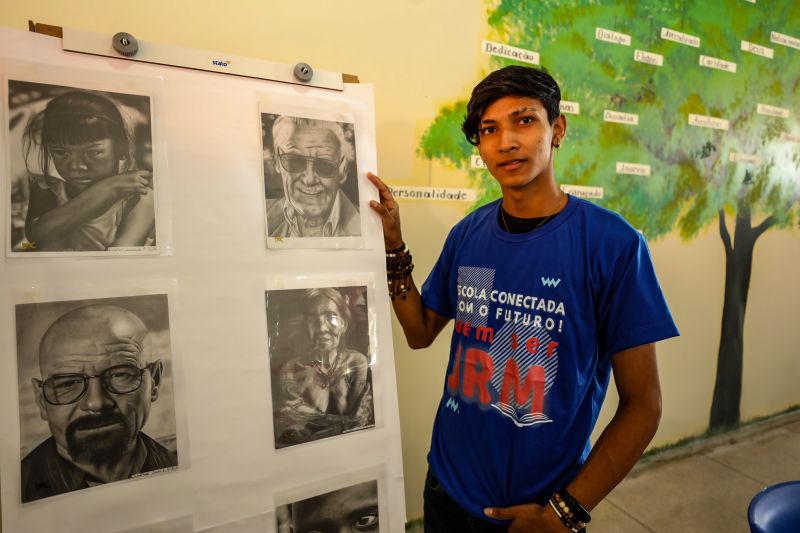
point(528, 419)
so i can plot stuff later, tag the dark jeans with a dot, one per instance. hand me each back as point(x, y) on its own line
point(444, 515)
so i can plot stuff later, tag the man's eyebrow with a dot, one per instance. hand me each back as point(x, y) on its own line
point(516, 112)
point(522, 110)
point(80, 358)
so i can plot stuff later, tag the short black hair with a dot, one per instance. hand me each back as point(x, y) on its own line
point(513, 80)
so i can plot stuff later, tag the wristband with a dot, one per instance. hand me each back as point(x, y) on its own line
point(575, 506)
point(399, 266)
point(565, 514)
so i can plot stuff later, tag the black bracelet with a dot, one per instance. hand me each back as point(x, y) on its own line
point(399, 265)
point(578, 510)
point(565, 514)
point(397, 250)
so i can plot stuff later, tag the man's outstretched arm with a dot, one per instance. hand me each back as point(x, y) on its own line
point(420, 324)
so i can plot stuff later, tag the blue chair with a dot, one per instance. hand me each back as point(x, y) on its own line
point(776, 509)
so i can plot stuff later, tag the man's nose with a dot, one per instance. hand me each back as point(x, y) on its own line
point(508, 140)
point(96, 397)
point(308, 176)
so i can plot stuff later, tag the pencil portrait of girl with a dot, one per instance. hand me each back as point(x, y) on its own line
point(81, 180)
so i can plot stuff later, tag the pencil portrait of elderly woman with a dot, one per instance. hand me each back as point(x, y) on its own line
point(321, 377)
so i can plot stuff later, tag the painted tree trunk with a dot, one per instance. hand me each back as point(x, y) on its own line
point(738, 266)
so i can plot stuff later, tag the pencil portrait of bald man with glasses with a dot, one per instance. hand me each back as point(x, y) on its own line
point(310, 177)
point(99, 371)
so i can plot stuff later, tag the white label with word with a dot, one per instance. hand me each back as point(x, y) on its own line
point(633, 168)
point(433, 193)
point(757, 49)
point(620, 117)
point(678, 37)
point(602, 34)
point(570, 107)
point(648, 57)
point(717, 63)
point(736, 157)
point(704, 121)
point(582, 191)
point(510, 52)
point(764, 109)
point(475, 161)
point(786, 40)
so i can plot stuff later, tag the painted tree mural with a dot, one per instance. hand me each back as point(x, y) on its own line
point(744, 179)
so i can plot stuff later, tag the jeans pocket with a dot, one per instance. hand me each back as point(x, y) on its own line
point(432, 484)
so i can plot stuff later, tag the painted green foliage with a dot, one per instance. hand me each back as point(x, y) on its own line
point(693, 182)
point(691, 179)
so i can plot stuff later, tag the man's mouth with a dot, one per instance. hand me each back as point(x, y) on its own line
point(87, 430)
point(311, 190)
point(100, 423)
point(511, 164)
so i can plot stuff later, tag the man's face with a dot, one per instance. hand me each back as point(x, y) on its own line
point(100, 426)
point(350, 510)
point(324, 325)
point(311, 184)
point(82, 164)
point(516, 140)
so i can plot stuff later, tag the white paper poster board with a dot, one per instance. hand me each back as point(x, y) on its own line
point(214, 264)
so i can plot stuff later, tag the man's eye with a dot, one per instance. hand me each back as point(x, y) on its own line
point(60, 154)
point(526, 120)
point(66, 383)
point(95, 153)
point(366, 523)
point(484, 131)
point(121, 374)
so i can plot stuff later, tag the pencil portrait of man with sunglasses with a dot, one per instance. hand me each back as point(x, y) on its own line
point(313, 159)
point(98, 379)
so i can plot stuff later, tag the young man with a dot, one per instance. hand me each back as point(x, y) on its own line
point(550, 294)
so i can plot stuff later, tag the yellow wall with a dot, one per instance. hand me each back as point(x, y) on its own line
point(420, 54)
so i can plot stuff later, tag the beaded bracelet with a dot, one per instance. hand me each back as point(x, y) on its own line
point(577, 509)
point(398, 271)
point(564, 513)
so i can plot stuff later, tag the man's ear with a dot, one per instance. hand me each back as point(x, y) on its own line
point(40, 401)
point(559, 130)
point(155, 372)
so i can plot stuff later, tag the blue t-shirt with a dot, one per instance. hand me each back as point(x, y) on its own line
point(537, 318)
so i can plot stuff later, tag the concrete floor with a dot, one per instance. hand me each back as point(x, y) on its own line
point(705, 486)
